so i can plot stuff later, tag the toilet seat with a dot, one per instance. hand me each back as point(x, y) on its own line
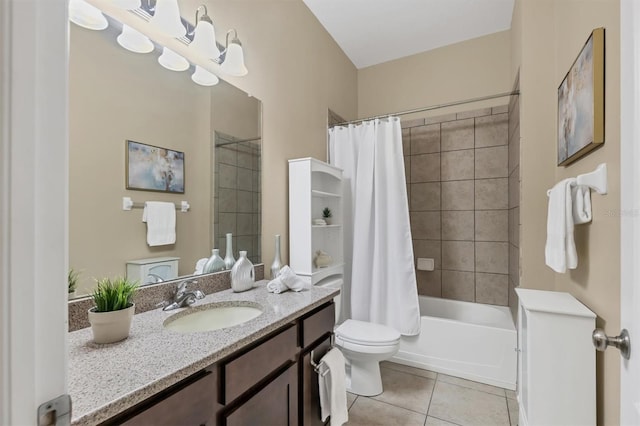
point(366, 333)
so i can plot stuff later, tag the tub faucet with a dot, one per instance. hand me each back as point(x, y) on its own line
point(183, 298)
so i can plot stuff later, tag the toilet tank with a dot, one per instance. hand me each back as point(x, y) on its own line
point(334, 282)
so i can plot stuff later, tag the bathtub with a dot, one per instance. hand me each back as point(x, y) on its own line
point(468, 340)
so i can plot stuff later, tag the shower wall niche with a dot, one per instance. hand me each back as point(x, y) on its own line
point(457, 170)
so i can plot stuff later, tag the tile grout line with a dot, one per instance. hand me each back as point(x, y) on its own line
point(433, 391)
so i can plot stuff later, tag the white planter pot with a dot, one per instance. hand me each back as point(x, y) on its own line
point(110, 327)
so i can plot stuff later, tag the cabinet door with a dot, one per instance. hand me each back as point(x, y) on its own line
point(275, 404)
point(193, 405)
point(310, 397)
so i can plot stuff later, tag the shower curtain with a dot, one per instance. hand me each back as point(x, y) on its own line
point(380, 280)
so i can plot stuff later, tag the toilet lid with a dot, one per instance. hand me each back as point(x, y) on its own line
point(367, 333)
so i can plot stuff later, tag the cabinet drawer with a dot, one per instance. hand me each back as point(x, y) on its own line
point(245, 371)
point(191, 405)
point(317, 324)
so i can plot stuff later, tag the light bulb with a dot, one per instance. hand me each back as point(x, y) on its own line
point(134, 41)
point(87, 16)
point(204, 77)
point(172, 61)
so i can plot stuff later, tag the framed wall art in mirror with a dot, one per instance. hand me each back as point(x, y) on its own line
point(152, 168)
point(581, 102)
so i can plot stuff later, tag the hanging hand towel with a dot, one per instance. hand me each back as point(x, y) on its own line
point(332, 387)
point(581, 196)
point(161, 222)
point(560, 250)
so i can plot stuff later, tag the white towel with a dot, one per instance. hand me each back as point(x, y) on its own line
point(287, 280)
point(560, 250)
point(332, 387)
point(200, 265)
point(581, 196)
point(161, 222)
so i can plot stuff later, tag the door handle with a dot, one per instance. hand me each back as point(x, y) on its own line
point(623, 342)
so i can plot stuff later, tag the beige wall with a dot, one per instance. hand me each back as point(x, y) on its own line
point(465, 70)
point(298, 72)
point(545, 58)
point(116, 95)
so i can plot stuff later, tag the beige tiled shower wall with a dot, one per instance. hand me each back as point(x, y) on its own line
point(457, 169)
point(514, 202)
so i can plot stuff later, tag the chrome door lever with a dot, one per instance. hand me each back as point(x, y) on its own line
point(623, 342)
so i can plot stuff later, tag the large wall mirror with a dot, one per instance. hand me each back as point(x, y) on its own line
point(117, 95)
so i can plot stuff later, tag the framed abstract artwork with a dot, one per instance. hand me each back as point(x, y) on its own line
point(151, 168)
point(581, 102)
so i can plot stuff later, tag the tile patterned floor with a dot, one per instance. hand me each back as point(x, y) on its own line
point(423, 398)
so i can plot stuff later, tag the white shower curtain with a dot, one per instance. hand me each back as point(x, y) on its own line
point(378, 250)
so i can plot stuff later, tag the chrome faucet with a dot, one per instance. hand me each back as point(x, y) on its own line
point(183, 298)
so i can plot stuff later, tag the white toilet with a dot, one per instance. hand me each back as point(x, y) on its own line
point(364, 345)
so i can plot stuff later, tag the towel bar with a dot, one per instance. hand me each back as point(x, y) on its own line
point(128, 204)
point(596, 180)
point(316, 365)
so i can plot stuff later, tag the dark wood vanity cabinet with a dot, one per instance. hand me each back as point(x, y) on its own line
point(270, 382)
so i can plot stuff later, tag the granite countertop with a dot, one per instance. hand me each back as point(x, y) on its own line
point(105, 380)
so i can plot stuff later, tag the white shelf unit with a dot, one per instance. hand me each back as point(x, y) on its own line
point(314, 185)
point(557, 361)
point(147, 271)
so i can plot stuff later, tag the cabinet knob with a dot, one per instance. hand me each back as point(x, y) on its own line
point(623, 342)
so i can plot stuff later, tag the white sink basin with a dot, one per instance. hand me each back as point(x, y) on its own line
point(211, 317)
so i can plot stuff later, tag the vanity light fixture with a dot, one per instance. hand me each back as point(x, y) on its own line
point(127, 4)
point(172, 61)
point(233, 63)
point(204, 78)
point(204, 36)
point(167, 18)
point(87, 16)
point(134, 41)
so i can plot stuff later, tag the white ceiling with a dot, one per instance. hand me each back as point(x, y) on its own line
point(375, 31)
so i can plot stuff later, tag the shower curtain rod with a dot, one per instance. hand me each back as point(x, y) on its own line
point(429, 108)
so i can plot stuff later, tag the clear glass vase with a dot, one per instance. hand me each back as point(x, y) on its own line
point(242, 274)
point(277, 262)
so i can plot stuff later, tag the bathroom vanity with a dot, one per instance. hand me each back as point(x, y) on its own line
point(258, 372)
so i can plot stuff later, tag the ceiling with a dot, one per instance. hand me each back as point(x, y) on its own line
point(375, 31)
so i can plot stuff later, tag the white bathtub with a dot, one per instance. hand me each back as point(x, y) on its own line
point(469, 340)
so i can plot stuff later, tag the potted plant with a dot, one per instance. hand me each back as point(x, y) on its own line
point(72, 282)
point(111, 318)
point(326, 215)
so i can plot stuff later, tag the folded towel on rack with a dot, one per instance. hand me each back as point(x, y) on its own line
point(560, 249)
point(581, 196)
point(200, 265)
point(332, 387)
point(161, 222)
point(287, 280)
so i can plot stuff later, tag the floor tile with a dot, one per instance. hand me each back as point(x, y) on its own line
point(351, 398)
point(512, 405)
point(411, 370)
point(432, 421)
point(471, 384)
point(405, 390)
point(366, 412)
point(468, 407)
point(511, 394)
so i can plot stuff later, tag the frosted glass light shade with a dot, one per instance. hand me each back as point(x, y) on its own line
point(167, 18)
point(172, 61)
point(234, 61)
point(204, 40)
point(127, 4)
point(134, 41)
point(204, 77)
point(87, 16)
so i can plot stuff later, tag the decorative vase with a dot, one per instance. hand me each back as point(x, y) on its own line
point(215, 263)
point(113, 326)
point(327, 220)
point(242, 274)
point(229, 260)
point(277, 263)
point(322, 259)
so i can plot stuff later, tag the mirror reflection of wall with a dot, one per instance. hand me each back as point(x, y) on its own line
point(116, 95)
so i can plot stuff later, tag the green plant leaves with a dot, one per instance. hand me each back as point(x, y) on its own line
point(114, 294)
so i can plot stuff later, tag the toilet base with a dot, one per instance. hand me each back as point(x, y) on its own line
point(364, 378)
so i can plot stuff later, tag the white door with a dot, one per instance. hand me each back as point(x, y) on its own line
point(630, 207)
point(33, 206)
